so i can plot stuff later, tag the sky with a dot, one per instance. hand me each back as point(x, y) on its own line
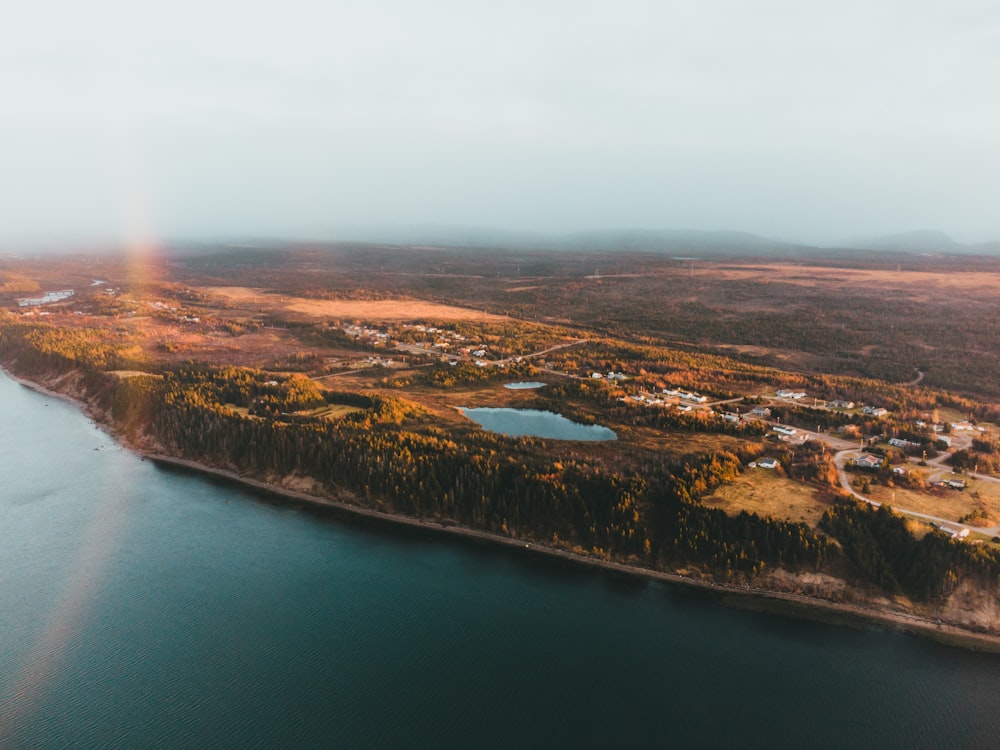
point(792, 119)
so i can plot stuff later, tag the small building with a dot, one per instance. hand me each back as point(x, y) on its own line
point(868, 461)
point(767, 463)
point(904, 444)
point(784, 430)
point(686, 395)
point(761, 411)
point(794, 395)
point(840, 404)
point(875, 411)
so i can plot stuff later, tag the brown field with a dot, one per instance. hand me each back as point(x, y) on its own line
point(948, 504)
point(822, 276)
point(366, 310)
point(768, 493)
point(676, 443)
point(331, 411)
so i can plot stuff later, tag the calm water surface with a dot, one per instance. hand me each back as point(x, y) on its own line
point(142, 607)
point(537, 423)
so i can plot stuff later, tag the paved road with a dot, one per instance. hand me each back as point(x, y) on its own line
point(848, 449)
point(841, 458)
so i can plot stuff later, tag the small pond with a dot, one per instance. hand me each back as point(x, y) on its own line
point(524, 385)
point(543, 424)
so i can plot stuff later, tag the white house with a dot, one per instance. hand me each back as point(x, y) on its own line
point(794, 395)
point(875, 411)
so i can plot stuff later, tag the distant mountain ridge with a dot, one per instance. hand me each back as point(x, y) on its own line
point(678, 241)
point(610, 240)
point(922, 241)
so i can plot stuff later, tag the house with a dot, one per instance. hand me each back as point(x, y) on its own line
point(874, 411)
point(686, 395)
point(840, 404)
point(794, 395)
point(868, 461)
point(784, 430)
point(953, 533)
point(963, 425)
point(904, 444)
point(761, 411)
point(731, 417)
point(956, 484)
point(899, 471)
point(596, 376)
point(767, 463)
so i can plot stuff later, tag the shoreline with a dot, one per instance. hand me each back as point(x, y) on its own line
point(745, 596)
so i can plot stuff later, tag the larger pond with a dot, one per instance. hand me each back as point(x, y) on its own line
point(142, 607)
point(535, 423)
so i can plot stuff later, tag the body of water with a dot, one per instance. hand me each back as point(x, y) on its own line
point(535, 423)
point(524, 385)
point(143, 607)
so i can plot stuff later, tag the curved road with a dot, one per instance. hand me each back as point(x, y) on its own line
point(847, 449)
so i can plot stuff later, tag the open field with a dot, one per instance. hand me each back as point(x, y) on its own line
point(768, 493)
point(818, 276)
point(980, 495)
point(379, 310)
point(330, 411)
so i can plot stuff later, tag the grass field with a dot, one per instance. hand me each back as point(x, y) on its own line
point(367, 310)
point(768, 493)
point(331, 411)
point(980, 495)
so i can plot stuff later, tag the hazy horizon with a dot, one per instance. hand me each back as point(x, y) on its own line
point(218, 120)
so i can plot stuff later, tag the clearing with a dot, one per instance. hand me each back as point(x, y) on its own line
point(368, 310)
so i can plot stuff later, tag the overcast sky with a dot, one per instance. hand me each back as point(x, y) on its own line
point(794, 119)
